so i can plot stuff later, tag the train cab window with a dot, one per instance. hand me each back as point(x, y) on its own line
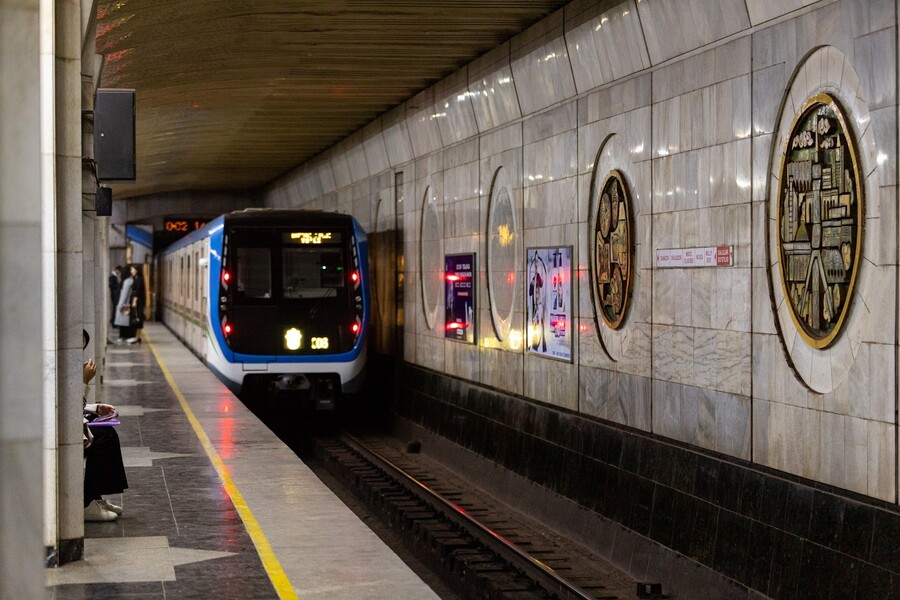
point(254, 272)
point(312, 272)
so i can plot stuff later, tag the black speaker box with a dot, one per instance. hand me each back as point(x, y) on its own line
point(114, 135)
point(104, 202)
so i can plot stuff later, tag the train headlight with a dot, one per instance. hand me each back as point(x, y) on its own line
point(293, 338)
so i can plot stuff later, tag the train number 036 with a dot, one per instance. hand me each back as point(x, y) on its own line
point(319, 343)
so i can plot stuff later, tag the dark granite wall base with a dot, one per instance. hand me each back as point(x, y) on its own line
point(68, 551)
point(778, 535)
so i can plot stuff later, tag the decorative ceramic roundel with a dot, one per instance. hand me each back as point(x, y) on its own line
point(613, 250)
point(820, 216)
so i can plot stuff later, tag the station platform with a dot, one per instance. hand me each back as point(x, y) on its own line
point(217, 506)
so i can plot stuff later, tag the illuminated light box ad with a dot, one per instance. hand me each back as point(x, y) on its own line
point(459, 288)
point(548, 299)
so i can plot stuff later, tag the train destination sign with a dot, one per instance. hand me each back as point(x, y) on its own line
point(707, 256)
point(311, 238)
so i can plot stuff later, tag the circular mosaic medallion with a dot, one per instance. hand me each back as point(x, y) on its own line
point(613, 250)
point(819, 220)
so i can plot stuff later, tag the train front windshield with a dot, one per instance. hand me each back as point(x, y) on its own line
point(291, 291)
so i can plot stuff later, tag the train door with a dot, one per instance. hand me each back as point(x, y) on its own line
point(204, 296)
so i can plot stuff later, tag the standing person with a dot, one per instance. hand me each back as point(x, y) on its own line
point(123, 307)
point(137, 305)
point(115, 285)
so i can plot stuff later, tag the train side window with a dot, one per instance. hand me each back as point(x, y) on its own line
point(254, 272)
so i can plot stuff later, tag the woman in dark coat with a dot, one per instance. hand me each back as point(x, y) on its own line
point(137, 303)
point(122, 319)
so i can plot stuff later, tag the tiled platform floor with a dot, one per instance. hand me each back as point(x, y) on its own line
point(181, 535)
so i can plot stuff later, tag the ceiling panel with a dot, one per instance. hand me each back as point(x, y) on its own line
point(233, 94)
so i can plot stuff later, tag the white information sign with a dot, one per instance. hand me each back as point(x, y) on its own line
point(708, 256)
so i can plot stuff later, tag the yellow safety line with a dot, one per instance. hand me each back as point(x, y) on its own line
point(270, 562)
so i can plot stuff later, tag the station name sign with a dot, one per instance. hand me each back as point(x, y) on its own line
point(707, 256)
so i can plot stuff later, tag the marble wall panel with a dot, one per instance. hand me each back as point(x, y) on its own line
point(881, 459)
point(396, 137)
point(340, 166)
point(502, 369)
point(344, 200)
point(551, 159)
point(374, 148)
point(884, 127)
point(616, 99)
point(673, 352)
point(430, 351)
point(607, 47)
point(494, 98)
point(552, 381)
point(502, 140)
point(761, 11)
point(667, 409)
point(837, 24)
point(325, 174)
point(463, 223)
point(453, 107)
point(551, 203)
point(461, 360)
point(883, 250)
point(543, 77)
point(356, 158)
point(363, 204)
point(673, 29)
point(424, 133)
point(550, 123)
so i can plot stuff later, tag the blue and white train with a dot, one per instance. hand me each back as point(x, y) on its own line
point(273, 299)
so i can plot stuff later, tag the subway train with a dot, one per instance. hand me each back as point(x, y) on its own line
point(273, 300)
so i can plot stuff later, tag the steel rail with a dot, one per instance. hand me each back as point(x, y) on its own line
point(546, 577)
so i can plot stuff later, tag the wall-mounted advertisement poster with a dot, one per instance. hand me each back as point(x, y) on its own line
point(459, 288)
point(548, 296)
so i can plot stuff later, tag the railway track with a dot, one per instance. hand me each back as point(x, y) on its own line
point(482, 548)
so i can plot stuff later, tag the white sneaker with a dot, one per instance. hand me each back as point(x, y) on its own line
point(109, 506)
point(132, 340)
point(95, 512)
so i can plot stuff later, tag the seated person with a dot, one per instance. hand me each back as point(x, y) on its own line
point(104, 471)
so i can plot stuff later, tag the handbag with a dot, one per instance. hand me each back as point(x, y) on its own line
point(135, 318)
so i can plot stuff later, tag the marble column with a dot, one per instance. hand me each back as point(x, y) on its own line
point(48, 272)
point(21, 471)
point(69, 279)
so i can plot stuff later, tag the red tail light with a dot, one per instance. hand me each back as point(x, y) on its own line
point(227, 329)
point(354, 276)
point(355, 328)
point(226, 276)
